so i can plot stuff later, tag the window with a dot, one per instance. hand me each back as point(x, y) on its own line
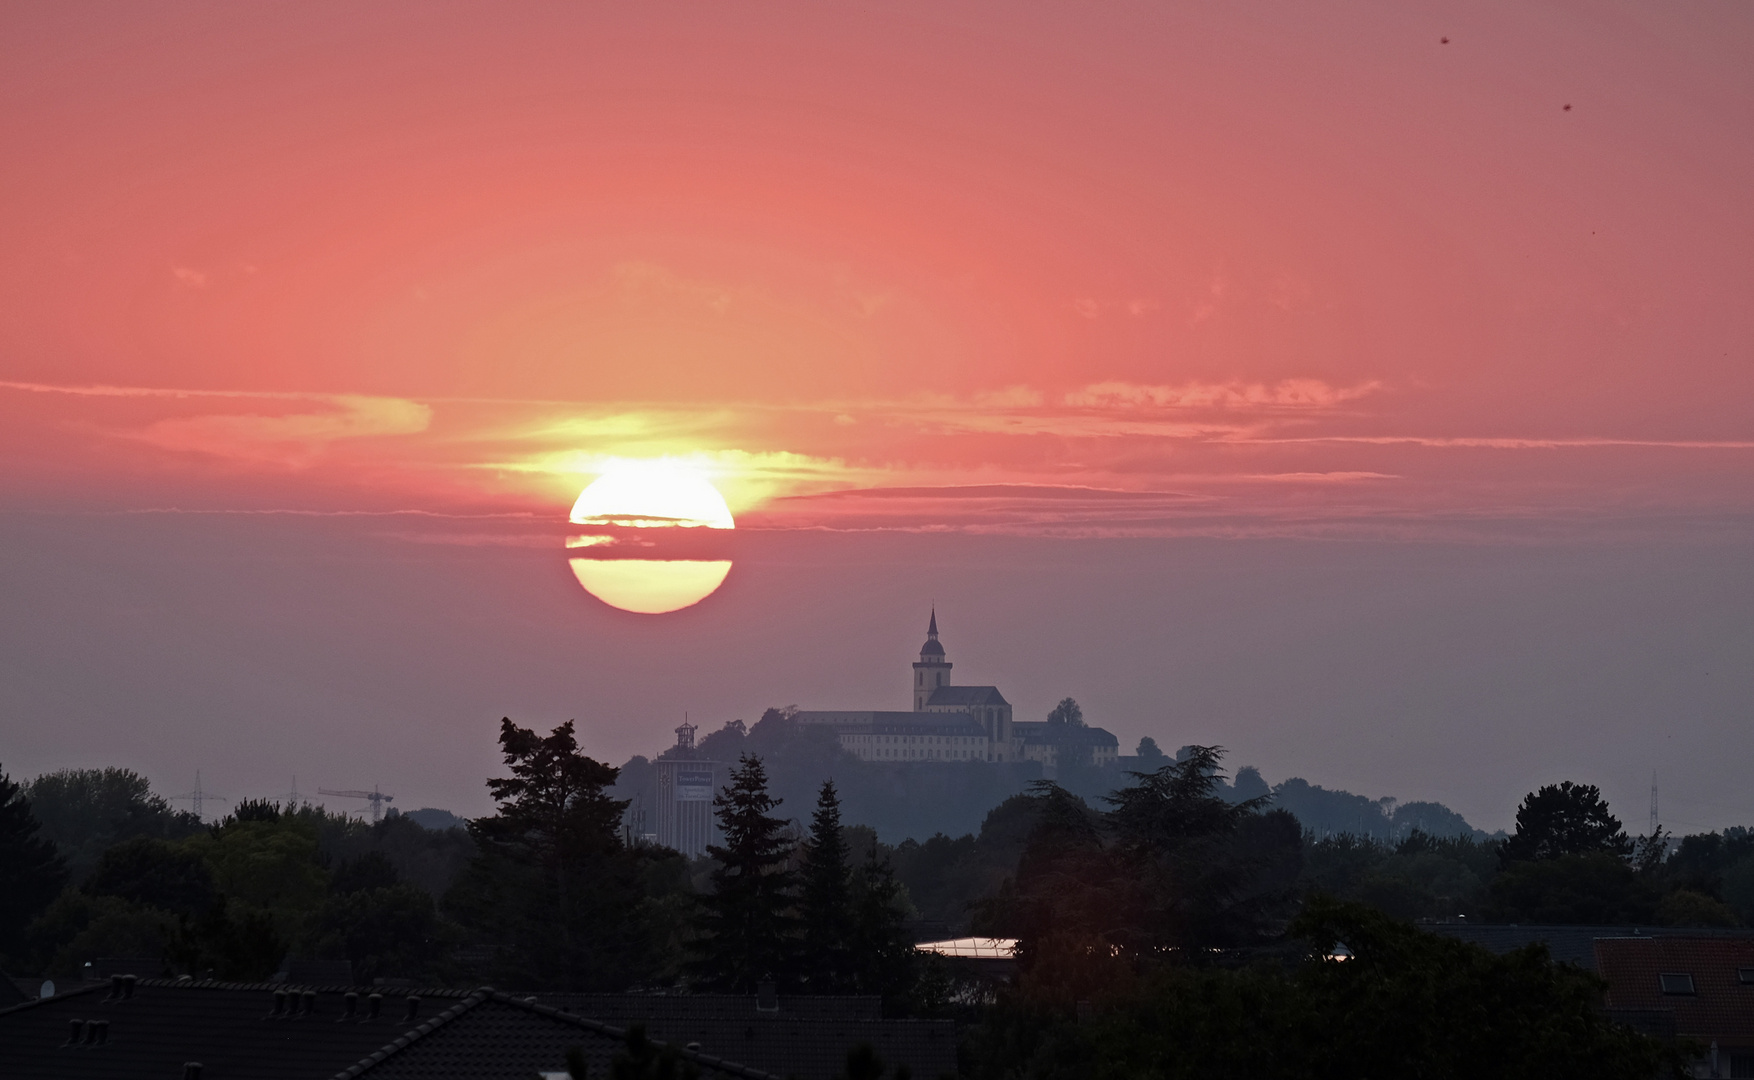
point(1745, 976)
point(1676, 983)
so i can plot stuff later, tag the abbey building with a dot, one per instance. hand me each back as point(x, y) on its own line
point(947, 722)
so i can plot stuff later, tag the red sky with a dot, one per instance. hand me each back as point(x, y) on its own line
point(1419, 278)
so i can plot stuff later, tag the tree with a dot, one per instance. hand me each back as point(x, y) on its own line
point(29, 865)
point(553, 890)
point(1565, 819)
point(84, 811)
point(157, 874)
point(825, 901)
point(1067, 714)
point(882, 955)
point(1176, 836)
point(747, 927)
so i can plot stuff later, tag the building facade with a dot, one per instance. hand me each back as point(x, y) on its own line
point(686, 785)
point(947, 722)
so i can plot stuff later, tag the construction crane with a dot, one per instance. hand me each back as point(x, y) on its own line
point(374, 796)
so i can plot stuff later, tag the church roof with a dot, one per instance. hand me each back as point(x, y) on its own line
point(931, 648)
point(965, 696)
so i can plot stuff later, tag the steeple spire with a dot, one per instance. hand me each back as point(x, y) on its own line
point(932, 627)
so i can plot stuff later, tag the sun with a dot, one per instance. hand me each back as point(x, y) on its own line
point(644, 494)
point(652, 537)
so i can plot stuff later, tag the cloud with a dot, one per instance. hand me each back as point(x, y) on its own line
point(292, 438)
point(1285, 394)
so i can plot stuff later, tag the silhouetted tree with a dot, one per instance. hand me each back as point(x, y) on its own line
point(157, 874)
point(882, 955)
point(825, 900)
point(1565, 819)
point(553, 888)
point(1067, 714)
point(84, 811)
point(31, 868)
point(748, 930)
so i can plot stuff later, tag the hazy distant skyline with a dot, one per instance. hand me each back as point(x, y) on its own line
point(1364, 388)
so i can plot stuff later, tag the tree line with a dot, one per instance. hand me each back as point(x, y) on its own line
point(1168, 928)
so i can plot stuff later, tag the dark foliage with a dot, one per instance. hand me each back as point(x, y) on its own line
point(643, 1060)
point(553, 891)
point(388, 931)
point(748, 931)
point(373, 870)
point(33, 871)
point(825, 902)
point(84, 811)
point(1407, 1004)
point(157, 874)
point(1565, 819)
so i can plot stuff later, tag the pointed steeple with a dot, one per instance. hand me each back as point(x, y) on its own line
point(932, 627)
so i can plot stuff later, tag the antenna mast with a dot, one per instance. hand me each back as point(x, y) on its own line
point(1653, 803)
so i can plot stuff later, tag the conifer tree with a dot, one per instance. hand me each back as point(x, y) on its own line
point(748, 928)
point(826, 905)
point(883, 958)
point(29, 865)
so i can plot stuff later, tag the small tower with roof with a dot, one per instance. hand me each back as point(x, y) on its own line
point(932, 670)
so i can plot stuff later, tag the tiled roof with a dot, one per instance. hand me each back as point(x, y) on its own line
point(1720, 1007)
point(966, 696)
point(1567, 944)
point(230, 1028)
point(494, 1036)
point(879, 722)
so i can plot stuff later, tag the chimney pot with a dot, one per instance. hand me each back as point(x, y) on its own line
point(128, 982)
point(75, 1031)
point(374, 1004)
point(115, 988)
point(310, 997)
point(191, 1070)
point(100, 1032)
point(279, 1004)
point(413, 1009)
point(350, 1004)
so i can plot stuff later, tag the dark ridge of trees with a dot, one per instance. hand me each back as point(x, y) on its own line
point(85, 811)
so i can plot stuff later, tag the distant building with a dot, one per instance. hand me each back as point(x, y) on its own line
point(947, 723)
point(1066, 744)
point(1699, 988)
point(686, 784)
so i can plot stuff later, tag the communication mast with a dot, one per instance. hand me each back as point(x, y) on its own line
point(374, 796)
point(1653, 803)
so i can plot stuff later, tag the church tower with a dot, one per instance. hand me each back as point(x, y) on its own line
point(933, 670)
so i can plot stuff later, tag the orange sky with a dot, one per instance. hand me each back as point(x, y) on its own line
point(1401, 273)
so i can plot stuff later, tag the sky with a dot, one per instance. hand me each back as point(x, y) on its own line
point(1363, 387)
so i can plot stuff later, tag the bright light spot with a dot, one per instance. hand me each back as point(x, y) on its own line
point(650, 586)
point(646, 494)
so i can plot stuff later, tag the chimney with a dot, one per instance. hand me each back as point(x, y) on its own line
point(767, 996)
point(413, 1009)
point(100, 1032)
point(349, 1005)
point(310, 997)
point(75, 1032)
point(374, 1004)
point(279, 1012)
point(191, 1070)
point(128, 982)
point(115, 988)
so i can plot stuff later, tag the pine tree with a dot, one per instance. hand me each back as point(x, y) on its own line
point(553, 888)
point(826, 901)
point(748, 929)
point(29, 865)
point(883, 957)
